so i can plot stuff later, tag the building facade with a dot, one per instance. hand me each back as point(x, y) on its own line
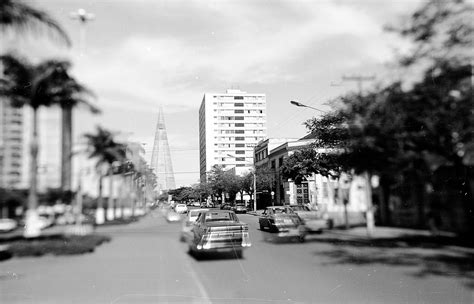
point(325, 193)
point(11, 145)
point(230, 126)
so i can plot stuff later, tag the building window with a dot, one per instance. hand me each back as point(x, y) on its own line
point(238, 97)
point(239, 131)
point(280, 162)
point(238, 104)
point(240, 152)
point(239, 118)
point(240, 138)
point(273, 164)
point(239, 145)
point(239, 125)
point(240, 158)
point(239, 111)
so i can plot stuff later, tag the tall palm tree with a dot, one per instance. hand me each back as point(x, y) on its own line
point(24, 83)
point(18, 15)
point(70, 94)
point(107, 151)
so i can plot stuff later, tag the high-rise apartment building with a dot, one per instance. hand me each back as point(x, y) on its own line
point(11, 145)
point(230, 126)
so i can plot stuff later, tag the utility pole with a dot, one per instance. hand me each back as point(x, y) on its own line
point(359, 79)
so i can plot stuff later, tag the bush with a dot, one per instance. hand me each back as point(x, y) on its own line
point(56, 245)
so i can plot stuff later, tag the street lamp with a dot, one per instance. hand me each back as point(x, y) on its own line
point(83, 16)
point(254, 183)
point(299, 104)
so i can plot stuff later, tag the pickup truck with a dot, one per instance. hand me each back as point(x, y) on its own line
point(218, 231)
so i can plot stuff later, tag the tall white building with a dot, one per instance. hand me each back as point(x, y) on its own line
point(11, 145)
point(230, 126)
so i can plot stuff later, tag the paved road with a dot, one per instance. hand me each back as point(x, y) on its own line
point(145, 263)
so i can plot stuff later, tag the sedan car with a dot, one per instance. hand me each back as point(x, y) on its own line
point(313, 220)
point(181, 208)
point(219, 230)
point(284, 221)
point(226, 207)
point(239, 208)
point(187, 228)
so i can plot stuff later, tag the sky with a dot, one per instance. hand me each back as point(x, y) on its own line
point(140, 54)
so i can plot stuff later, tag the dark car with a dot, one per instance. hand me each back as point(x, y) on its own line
point(219, 230)
point(226, 207)
point(283, 220)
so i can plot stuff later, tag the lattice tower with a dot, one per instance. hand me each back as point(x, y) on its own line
point(161, 157)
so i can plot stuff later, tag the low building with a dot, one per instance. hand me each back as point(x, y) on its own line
point(325, 193)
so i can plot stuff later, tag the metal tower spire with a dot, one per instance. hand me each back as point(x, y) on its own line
point(161, 158)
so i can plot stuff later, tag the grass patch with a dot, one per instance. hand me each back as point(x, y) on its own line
point(121, 221)
point(56, 245)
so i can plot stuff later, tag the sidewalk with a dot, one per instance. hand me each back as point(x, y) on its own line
point(401, 237)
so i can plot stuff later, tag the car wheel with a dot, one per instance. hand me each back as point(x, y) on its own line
point(239, 254)
point(262, 227)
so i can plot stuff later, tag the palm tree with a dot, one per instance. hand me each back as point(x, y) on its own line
point(21, 16)
point(34, 85)
point(107, 151)
point(71, 94)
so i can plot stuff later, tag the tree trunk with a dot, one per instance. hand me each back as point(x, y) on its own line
point(385, 202)
point(370, 207)
point(99, 215)
point(66, 149)
point(110, 202)
point(32, 225)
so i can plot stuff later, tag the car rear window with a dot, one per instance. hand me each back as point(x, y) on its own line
point(219, 217)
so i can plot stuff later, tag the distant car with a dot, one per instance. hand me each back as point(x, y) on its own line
point(172, 216)
point(186, 229)
point(197, 204)
point(226, 207)
point(217, 231)
point(7, 225)
point(239, 208)
point(284, 221)
point(313, 220)
point(181, 208)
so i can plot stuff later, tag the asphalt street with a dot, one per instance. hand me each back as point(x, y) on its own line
point(146, 263)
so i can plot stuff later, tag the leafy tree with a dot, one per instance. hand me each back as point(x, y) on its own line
point(412, 131)
point(18, 15)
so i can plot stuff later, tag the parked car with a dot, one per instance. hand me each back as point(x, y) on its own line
point(284, 221)
point(7, 225)
point(181, 208)
point(239, 208)
point(313, 220)
point(226, 207)
point(172, 216)
point(186, 229)
point(217, 231)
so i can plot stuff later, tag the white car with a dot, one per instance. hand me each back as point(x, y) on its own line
point(188, 223)
point(7, 225)
point(172, 216)
point(181, 208)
